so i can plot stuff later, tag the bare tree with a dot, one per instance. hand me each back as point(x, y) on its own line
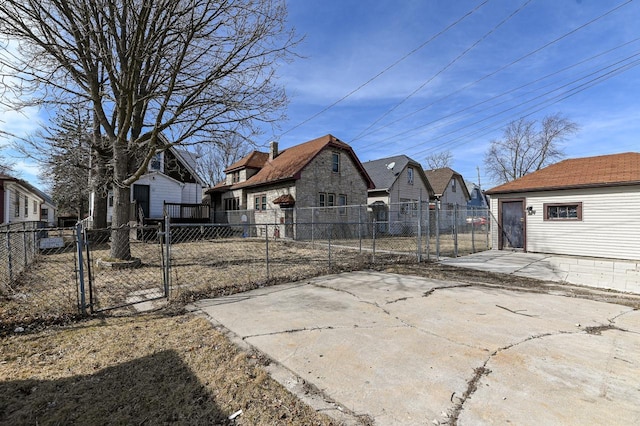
point(439, 160)
point(213, 160)
point(527, 146)
point(6, 166)
point(194, 70)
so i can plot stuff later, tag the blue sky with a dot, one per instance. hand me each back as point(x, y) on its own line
point(459, 89)
point(506, 59)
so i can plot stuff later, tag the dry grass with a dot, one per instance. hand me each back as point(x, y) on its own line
point(147, 369)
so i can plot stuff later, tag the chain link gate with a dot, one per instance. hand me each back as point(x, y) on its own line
point(106, 283)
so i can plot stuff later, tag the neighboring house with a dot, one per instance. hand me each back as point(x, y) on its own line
point(172, 185)
point(400, 186)
point(478, 198)
point(48, 210)
point(448, 186)
point(323, 172)
point(584, 206)
point(19, 201)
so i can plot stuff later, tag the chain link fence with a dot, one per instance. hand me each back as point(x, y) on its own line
point(38, 275)
point(56, 273)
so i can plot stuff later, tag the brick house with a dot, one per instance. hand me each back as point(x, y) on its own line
point(324, 172)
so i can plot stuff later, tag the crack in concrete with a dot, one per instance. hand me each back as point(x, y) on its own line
point(478, 373)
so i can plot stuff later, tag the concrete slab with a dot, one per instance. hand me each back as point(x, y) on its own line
point(415, 351)
point(612, 274)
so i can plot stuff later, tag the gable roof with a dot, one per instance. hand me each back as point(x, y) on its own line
point(384, 176)
point(588, 172)
point(440, 178)
point(253, 160)
point(26, 185)
point(290, 162)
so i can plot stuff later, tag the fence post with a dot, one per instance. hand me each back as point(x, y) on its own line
point(428, 231)
point(80, 250)
point(313, 245)
point(9, 257)
point(167, 263)
point(419, 242)
point(455, 230)
point(25, 261)
point(373, 244)
point(266, 245)
point(329, 243)
point(487, 225)
point(438, 205)
point(360, 229)
point(474, 216)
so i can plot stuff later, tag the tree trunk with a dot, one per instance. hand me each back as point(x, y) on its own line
point(120, 248)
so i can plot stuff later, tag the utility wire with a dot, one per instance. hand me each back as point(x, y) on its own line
point(405, 132)
point(446, 67)
point(531, 110)
point(533, 52)
point(466, 15)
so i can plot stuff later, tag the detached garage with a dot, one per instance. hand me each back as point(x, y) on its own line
point(579, 207)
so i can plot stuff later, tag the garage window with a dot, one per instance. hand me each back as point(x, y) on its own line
point(563, 211)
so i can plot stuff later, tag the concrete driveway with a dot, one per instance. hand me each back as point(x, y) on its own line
point(405, 350)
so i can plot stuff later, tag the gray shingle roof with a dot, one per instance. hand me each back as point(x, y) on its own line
point(383, 177)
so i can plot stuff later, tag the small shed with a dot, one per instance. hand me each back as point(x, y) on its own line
point(581, 207)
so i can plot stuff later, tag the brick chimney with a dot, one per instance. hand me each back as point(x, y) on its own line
point(273, 150)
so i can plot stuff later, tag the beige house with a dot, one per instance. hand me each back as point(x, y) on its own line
point(400, 186)
point(324, 172)
point(583, 207)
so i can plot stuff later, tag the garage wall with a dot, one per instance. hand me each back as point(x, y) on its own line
point(610, 225)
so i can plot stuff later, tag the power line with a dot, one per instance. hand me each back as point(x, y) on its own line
point(531, 110)
point(405, 132)
point(446, 67)
point(441, 32)
point(533, 52)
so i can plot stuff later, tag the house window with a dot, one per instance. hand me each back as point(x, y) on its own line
point(335, 162)
point(260, 202)
point(26, 206)
point(322, 199)
point(331, 200)
point(35, 207)
point(342, 202)
point(44, 212)
point(563, 211)
point(16, 210)
point(453, 185)
point(235, 177)
point(156, 162)
point(232, 203)
point(110, 200)
point(410, 175)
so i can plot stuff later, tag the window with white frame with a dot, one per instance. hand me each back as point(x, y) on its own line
point(35, 207)
point(342, 202)
point(322, 199)
point(156, 162)
point(335, 162)
point(331, 200)
point(26, 206)
point(16, 209)
point(410, 175)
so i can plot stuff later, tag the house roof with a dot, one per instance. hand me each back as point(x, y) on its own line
point(385, 171)
point(290, 162)
point(253, 160)
point(440, 178)
point(26, 185)
point(588, 172)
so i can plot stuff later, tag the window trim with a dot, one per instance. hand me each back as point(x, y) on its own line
point(322, 199)
point(331, 199)
point(262, 205)
point(453, 185)
point(335, 162)
point(410, 175)
point(342, 204)
point(16, 208)
point(26, 206)
point(577, 204)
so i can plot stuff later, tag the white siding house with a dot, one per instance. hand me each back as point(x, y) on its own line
point(581, 207)
point(20, 201)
